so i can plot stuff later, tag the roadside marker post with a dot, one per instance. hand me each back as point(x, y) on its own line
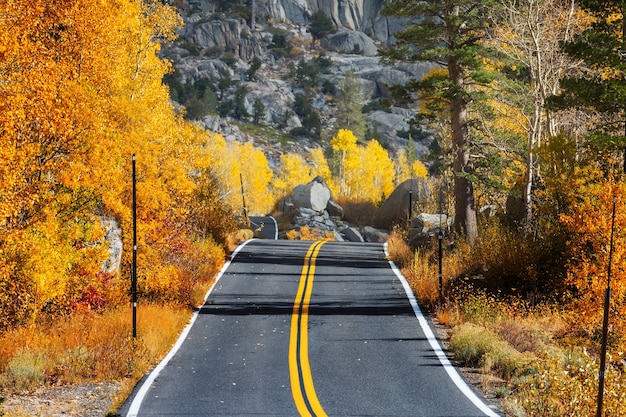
point(605, 321)
point(133, 284)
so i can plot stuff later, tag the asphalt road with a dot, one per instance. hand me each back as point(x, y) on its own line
point(264, 226)
point(303, 328)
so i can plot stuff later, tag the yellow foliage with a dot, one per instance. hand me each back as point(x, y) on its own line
point(369, 173)
point(81, 92)
point(306, 233)
point(419, 170)
point(292, 171)
point(403, 171)
point(344, 141)
point(320, 167)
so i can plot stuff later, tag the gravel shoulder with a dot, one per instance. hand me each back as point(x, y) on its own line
point(83, 400)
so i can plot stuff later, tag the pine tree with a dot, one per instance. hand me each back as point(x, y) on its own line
point(602, 46)
point(449, 33)
point(320, 25)
point(349, 105)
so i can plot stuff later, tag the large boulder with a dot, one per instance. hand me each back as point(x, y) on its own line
point(395, 210)
point(315, 195)
point(113, 236)
point(351, 234)
point(350, 42)
point(371, 234)
point(312, 195)
point(426, 226)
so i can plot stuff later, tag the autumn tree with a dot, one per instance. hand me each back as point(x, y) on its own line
point(449, 33)
point(292, 171)
point(369, 173)
point(405, 169)
point(343, 143)
point(600, 89)
point(228, 162)
point(321, 167)
point(81, 91)
point(527, 34)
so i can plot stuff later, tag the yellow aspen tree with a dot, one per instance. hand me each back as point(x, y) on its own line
point(343, 142)
point(419, 170)
point(370, 173)
point(81, 90)
point(292, 171)
point(320, 167)
point(252, 165)
point(403, 170)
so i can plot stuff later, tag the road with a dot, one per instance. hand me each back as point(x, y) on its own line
point(311, 329)
point(265, 226)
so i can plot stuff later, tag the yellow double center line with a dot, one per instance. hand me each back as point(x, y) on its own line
point(300, 376)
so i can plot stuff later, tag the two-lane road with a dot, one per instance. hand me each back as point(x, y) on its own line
point(311, 329)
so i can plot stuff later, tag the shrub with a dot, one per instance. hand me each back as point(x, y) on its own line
point(94, 347)
point(476, 346)
point(399, 252)
point(566, 385)
point(24, 371)
point(357, 212)
point(229, 59)
point(307, 233)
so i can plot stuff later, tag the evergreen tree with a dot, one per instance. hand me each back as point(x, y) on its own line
point(349, 104)
point(309, 116)
point(255, 64)
point(259, 111)
point(449, 33)
point(320, 25)
point(602, 46)
point(239, 111)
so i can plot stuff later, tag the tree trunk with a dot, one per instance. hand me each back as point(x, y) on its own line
point(464, 206)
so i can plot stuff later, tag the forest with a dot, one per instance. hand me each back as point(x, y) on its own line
point(527, 108)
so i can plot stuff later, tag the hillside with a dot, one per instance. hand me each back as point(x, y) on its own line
point(228, 74)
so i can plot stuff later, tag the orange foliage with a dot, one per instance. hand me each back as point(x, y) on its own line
point(588, 253)
point(80, 92)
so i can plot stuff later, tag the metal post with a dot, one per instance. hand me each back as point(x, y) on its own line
point(441, 198)
point(243, 197)
point(134, 264)
point(605, 322)
point(411, 200)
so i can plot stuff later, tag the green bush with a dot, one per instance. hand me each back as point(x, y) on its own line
point(24, 371)
point(476, 346)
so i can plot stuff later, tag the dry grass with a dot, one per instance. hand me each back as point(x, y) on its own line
point(358, 212)
point(88, 347)
point(235, 239)
point(307, 233)
point(529, 348)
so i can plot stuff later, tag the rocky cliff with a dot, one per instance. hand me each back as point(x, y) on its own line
point(219, 46)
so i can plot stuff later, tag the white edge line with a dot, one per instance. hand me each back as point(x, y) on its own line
point(434, 344)
point(275, 227)
point(133, 410)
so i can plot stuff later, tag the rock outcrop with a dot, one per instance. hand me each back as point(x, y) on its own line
point(313, 206)
point(350, 42)
point(315, 195)
point(359, 15)
point(113, 236)
point(219, 48)
point(427, 226)
point(395, 210)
